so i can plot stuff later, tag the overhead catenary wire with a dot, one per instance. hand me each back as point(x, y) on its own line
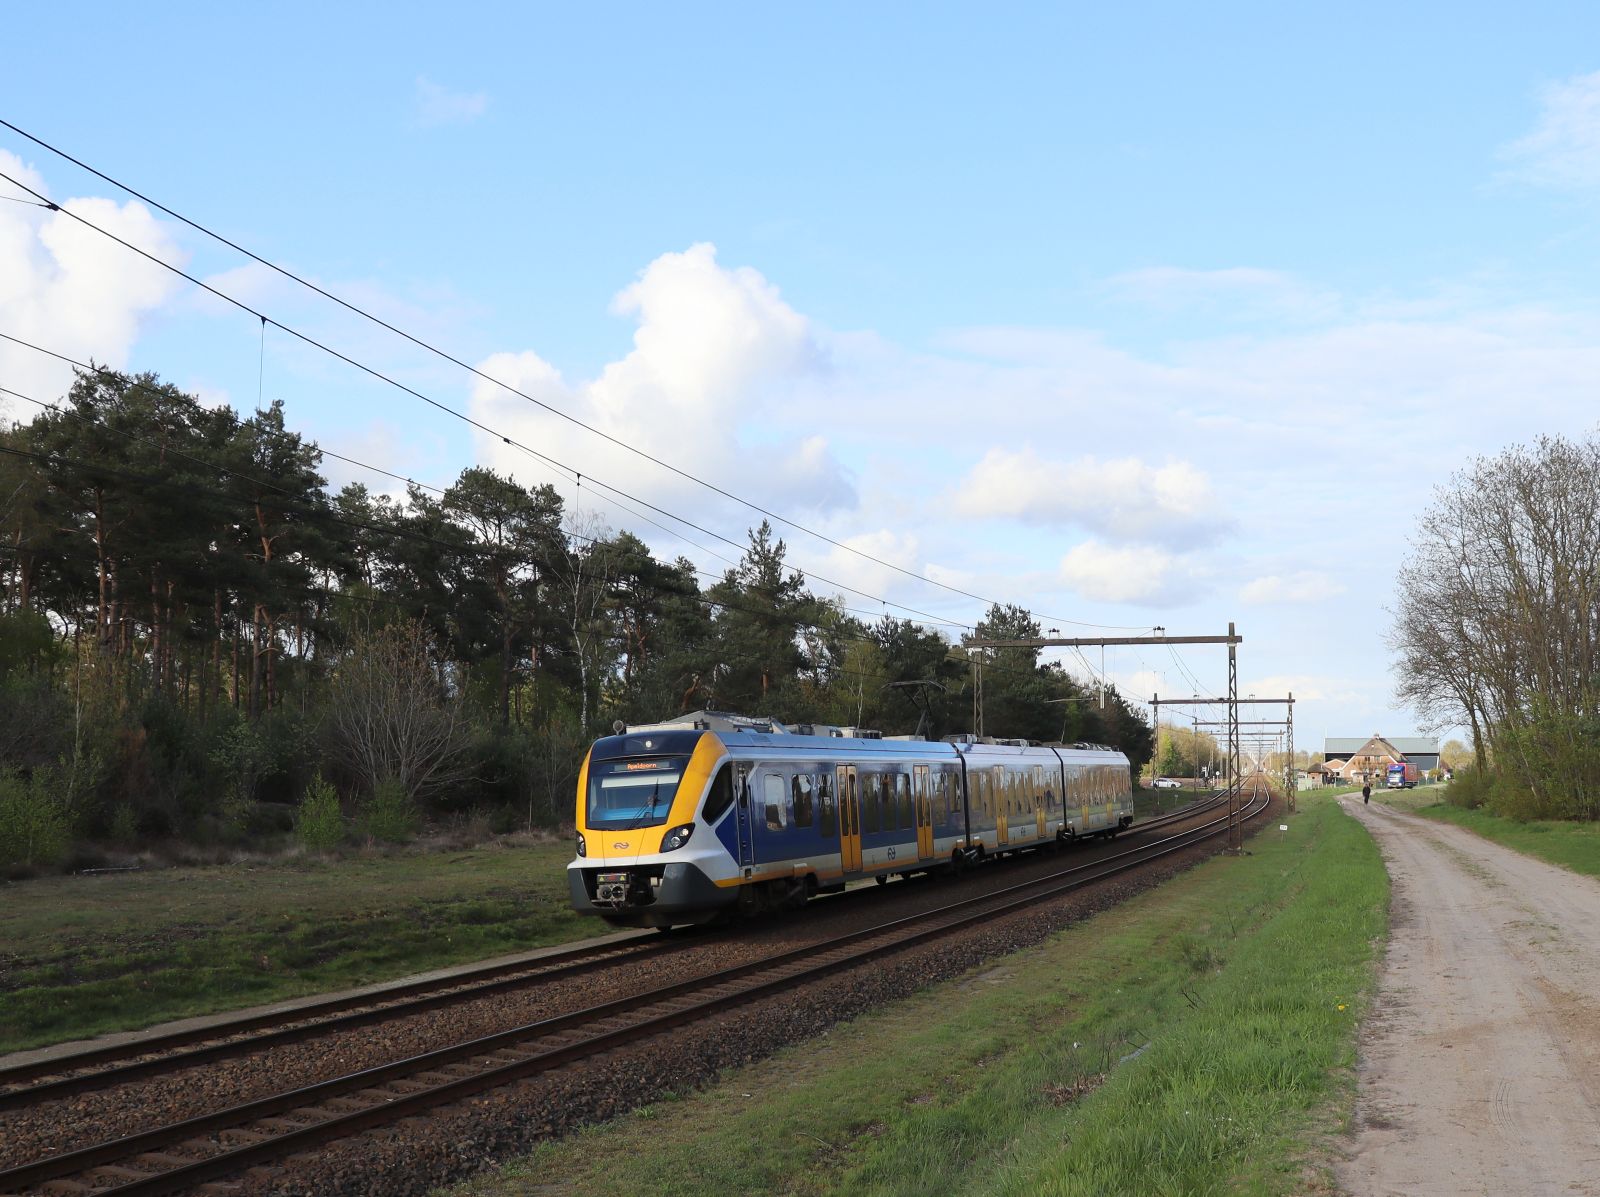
point(300, 510)
point(357, 310)
point(417, 606)
point(923, 616)
point(386, 601)
point(188, 489)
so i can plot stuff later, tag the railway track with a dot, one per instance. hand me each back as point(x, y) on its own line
point(97, 1068)
point(194, 1151)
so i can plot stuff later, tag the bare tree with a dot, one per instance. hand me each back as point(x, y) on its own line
point(390, 717)
point(584, 575)
point(1497, 617)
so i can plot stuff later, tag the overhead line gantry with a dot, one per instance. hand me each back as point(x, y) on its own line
point(1232, 640)
point(1289, 782)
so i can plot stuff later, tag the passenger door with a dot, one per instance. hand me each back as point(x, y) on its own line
point(924, 805)
point(849, 819)
point(1002, 801)
point(747, 853)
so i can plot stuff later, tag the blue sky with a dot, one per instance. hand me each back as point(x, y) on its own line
point(1147, 315)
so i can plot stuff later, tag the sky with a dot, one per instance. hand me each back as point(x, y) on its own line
point(1136, 316)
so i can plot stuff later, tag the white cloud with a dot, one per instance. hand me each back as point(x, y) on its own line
point(1140, 574)
point(1122, 497)
point(217, 398)
point(1564, 148)
point(1239, 291)
point(1302, 586)
point(67, 288)
point(867, 577)
point(1306, 687)
point(709, 387)
point(438, 105)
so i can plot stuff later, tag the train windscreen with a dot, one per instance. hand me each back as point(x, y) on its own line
point(627, 794)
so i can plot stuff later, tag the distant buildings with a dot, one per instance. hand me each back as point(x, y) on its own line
point(1356, 760)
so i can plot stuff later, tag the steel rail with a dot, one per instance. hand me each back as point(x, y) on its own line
point(160, 1053)
point(790, 968)
point(309, 1021)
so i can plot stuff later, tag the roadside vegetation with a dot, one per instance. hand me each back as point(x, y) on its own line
point(1495, 627)
point(1572, 845)
point(197, 633)
point(1199, 1039)
point(85, 955)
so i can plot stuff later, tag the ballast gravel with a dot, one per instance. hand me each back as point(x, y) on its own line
point(416, 1155)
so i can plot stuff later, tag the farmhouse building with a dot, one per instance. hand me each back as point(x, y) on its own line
point(1367, 760)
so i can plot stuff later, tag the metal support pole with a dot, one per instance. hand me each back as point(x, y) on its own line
point(977, 693)
point(1235, 843)
point(1155, 761)
point(1291, 785)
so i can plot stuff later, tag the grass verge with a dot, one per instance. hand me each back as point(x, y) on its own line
point(83, 955)
point(1198, 1039)
point(1574, 846)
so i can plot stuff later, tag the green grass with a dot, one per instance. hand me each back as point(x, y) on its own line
point(1148, 802)
point(1190, 1041)
point(84, 955)
point(1574, 846)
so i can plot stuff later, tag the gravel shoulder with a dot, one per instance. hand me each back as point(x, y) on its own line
point(1480, 1059)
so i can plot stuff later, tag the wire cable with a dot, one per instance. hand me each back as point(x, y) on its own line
point(923, 616)
point(357, 310)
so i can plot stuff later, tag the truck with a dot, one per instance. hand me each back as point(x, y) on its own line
point(1402, 775)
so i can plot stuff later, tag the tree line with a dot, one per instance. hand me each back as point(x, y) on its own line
point(196, 629)
point(1497, 625)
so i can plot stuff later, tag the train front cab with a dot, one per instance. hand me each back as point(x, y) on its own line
point(647, 852)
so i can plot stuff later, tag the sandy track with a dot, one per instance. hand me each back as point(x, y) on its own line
point(1480, 1060)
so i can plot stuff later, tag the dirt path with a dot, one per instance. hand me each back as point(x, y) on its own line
point(1480, 1060)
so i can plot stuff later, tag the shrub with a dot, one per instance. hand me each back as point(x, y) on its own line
point(123, 828)
point(319, 824)
point(34, 828)
point(389, 815)
point(1549, 766)
point(1469, 789)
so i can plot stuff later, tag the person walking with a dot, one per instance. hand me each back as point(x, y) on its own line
point(1366, 793)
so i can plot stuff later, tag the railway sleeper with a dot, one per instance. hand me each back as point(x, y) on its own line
point(238, 1136)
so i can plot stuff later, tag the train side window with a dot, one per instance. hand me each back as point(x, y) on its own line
point(902, 786)
point(827, 813)
point(801, 792)
point(721, 796)
point(773, 792)
point(871, 789)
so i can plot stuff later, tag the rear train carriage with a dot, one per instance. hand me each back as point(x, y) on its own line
point(688, 821)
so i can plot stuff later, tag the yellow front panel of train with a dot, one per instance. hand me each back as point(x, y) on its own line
point(630, 842)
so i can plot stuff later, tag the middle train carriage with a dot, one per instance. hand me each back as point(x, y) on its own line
point(687, 821)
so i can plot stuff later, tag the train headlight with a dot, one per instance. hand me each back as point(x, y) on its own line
point(677, 837)
point(583, 848)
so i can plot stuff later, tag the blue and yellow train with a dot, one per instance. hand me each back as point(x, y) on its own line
point(688, 821)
